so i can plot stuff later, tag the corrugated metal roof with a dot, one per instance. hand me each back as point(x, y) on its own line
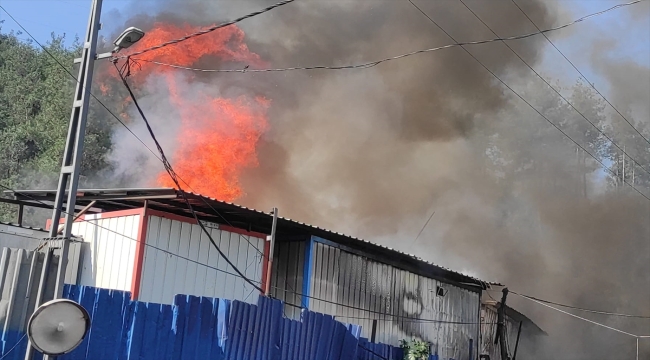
point(211, 209)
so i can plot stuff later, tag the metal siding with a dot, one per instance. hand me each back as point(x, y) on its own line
point(371, 290)
point(187, 263)
point(18, 237)
point(489, 318)
point(286, 275)
point(107, 253)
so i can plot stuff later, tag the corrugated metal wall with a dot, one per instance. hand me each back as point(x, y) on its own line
point(198, 269)
point(20, 273)
point(287, 275)
point(489, 319)
point(19, 237)
point(371, 290)
point(107, 257)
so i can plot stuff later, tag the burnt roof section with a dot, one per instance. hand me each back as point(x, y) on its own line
point(171, 201)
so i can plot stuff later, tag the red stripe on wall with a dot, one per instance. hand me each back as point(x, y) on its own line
point(139, 253)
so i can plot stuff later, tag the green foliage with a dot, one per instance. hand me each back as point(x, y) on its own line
point(35, 103)
point(415, 349)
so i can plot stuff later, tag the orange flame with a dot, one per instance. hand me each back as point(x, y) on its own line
point(218, 136)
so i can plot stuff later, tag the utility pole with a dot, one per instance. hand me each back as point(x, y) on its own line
point(501, 326)
point(72, 156)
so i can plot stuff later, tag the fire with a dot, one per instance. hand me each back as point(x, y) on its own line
point(218, 136)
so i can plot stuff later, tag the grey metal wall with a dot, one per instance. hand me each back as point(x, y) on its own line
point(20, 237)
point(20, 271)
point(405, 304)
point(287, 275)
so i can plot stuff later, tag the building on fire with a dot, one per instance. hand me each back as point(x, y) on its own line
point(146, 241)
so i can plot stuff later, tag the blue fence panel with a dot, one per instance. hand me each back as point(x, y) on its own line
point(206, 328)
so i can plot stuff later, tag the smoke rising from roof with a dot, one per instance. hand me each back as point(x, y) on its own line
point(372, 152)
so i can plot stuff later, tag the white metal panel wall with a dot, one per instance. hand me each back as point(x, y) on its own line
point(179, 259)
point(109, 252)
point(405, 304)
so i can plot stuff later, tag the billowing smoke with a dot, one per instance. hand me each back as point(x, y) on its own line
point(373, 152)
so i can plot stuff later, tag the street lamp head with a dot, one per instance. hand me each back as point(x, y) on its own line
point(127, 38)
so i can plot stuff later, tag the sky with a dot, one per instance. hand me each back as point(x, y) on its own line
point(70, 17)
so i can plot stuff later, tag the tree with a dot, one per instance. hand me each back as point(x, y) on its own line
point(35, 103)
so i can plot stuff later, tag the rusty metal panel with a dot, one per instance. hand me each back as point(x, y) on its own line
point(179, 259)
point(107, 254)
point(358, 290)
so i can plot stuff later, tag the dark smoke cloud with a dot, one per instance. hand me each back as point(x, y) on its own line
point(372, 152)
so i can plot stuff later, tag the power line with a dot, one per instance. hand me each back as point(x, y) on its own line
point(414, 320)
point(13, 347)
point(121, 122)
point(581, 318)
point(372, 311)
point(556, 91)
point(582, 309)
point(372, 352)
point(208, 30)
point(375, 63)
point(529, 104)
point(174, 177)
point(582, 74)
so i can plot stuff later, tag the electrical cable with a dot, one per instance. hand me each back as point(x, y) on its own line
point(372, 311)
point(208, 30)
point(581, 73)
point(579, 317)
point(375, 63)
point(12, 349)
point(556, 91)
point(407, 320)
point(121, 122)
point(174, 177)
point(372, 352)
point(531, 106)
point(582, 309)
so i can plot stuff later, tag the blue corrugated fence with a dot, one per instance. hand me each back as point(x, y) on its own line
point(206, 328)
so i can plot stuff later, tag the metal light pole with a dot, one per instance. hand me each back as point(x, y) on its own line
point(73, 154)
